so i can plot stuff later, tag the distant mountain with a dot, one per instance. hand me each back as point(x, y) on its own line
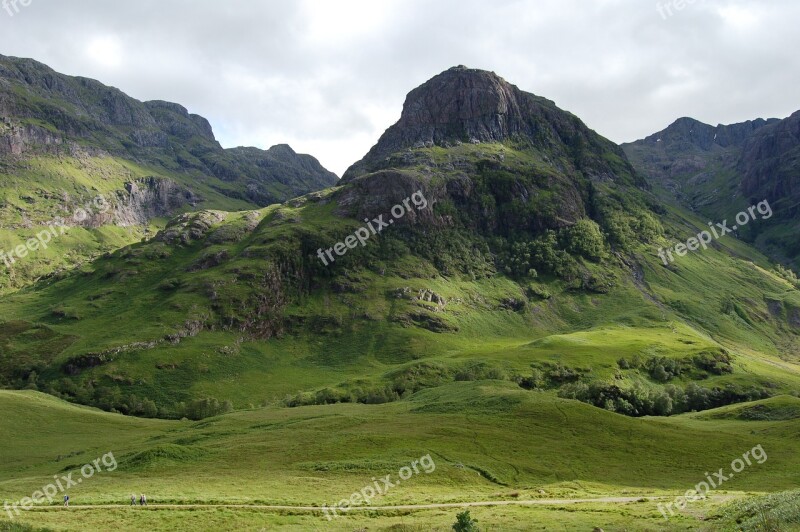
point(47, 112)
point(718, 171)
point(65, 140)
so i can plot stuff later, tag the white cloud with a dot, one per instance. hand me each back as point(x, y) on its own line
point(105, 51)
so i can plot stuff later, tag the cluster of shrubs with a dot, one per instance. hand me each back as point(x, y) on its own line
point(402, 383)
point(551, 375)
point(664, 369)
point(787, 274)
point(629, 225)
point(328, 396)
point(111, 399)
point(661, 400)
point(554, 252)
point(651, 400)
point(203, 408)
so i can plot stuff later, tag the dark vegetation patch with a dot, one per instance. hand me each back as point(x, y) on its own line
point(656, 399)
point(399, 384)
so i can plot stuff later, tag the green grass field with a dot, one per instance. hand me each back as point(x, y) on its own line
point(311, 456)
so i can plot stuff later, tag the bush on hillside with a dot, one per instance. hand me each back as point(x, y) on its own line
point(207, 407)
point(664, 369)
point(584, 238)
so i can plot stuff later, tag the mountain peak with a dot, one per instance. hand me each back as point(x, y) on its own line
point(282, 149)
point(459, 105)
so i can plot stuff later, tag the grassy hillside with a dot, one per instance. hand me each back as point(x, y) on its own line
point(225, 307)
point(45, 190)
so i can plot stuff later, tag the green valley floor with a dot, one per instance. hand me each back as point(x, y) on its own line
point(538, 460)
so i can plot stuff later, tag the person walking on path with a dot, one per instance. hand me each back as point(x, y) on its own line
point(133, 499)
point(66, 501)
point(143, 500)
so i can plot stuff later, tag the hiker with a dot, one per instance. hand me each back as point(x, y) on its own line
point(66, 501)
point(143, 500)
point(133, 499)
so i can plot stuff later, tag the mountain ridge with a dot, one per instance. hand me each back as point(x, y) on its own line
point(92, 114)
point(716, 170)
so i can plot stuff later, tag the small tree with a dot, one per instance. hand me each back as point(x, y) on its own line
point(149, 408)
point(464, 523)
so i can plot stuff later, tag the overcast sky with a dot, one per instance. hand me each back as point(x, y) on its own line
point(329, 76)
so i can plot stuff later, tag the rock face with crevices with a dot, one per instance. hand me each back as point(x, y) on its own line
point(464, 105)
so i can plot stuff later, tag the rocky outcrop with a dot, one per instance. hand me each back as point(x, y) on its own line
point(190, 227)
point(17, 139)
point(463, 105)
point(176, 121)
point(376, 195)
point(140, 202)
point(151, 198)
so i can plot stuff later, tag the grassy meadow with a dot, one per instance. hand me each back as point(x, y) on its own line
point(551, 449)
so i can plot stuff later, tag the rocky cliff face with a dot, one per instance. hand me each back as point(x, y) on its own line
point(463, 105)
point(770, 165)
point(689, 151)
point(150, 198)
point(16, 139)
